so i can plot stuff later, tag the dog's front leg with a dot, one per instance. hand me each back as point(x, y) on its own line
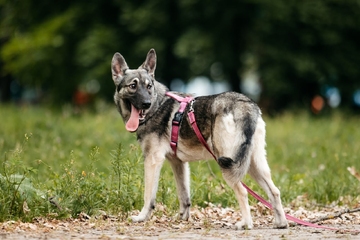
point(182, 177)
point(152, 172)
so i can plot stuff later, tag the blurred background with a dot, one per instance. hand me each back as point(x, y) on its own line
point(59, 129)
point(281, 53)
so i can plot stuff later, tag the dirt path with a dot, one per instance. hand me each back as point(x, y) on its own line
point(209, 223)
point(106, 230)
point(137, 232)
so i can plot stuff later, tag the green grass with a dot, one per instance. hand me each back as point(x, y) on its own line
point(311, 155)
point(58, 164)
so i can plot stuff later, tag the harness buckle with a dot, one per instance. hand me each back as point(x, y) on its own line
point(177, 118)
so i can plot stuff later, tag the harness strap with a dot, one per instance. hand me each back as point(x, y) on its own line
point(177, 97)
point(197, 131)
point(177, 119)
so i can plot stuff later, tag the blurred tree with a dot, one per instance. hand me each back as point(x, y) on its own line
point(216, 31)
point(57, 46)
point(153, 24)
point(33, 49)
point(303, 45)
point(297, 46)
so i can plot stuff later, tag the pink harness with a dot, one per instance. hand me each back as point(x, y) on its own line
point(184, 101)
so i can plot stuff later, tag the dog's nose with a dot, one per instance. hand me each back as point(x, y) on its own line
point(146, 105)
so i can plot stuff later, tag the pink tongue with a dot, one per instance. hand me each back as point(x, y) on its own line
point(133, 123)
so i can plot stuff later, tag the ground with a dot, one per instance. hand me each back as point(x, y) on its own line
point(212, 222)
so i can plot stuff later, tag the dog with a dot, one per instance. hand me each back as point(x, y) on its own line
point(230, 123)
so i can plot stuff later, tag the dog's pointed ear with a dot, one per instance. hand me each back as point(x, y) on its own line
point(118, 67)
point(150, 62)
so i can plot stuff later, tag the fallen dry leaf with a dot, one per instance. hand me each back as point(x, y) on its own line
point(353, 172)
point(210, 222)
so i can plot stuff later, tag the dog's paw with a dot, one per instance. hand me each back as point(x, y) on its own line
point(185, 215)
point(244, 225)
point(137, 219)
point(281, 225)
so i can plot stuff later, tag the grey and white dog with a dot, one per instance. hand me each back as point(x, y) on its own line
point(231, 125)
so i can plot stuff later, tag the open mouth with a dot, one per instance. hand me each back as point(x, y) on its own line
point(142, 115)
point(137, 116)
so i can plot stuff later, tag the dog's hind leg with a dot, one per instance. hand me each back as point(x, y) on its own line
point(182, 178)
point(152, 164)
point(234, 148)
point(242, 197)
point(259, 170)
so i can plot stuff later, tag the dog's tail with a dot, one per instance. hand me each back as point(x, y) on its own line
point(239, 163)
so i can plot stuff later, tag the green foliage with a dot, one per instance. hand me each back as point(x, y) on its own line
point(220, 192)
point(75, 191)
point(89, 163)
point(298, 46)
point(302, 45)
point(311, 155)
point(39, 56)
point(126, 189)
point(199, 50)
point(17, 189)
point(28, 51)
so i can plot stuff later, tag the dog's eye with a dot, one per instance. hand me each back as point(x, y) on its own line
point(132, 86)
point(149, 86)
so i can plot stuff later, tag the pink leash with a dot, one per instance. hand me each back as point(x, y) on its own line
point(289, 217)
point(174, 137)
